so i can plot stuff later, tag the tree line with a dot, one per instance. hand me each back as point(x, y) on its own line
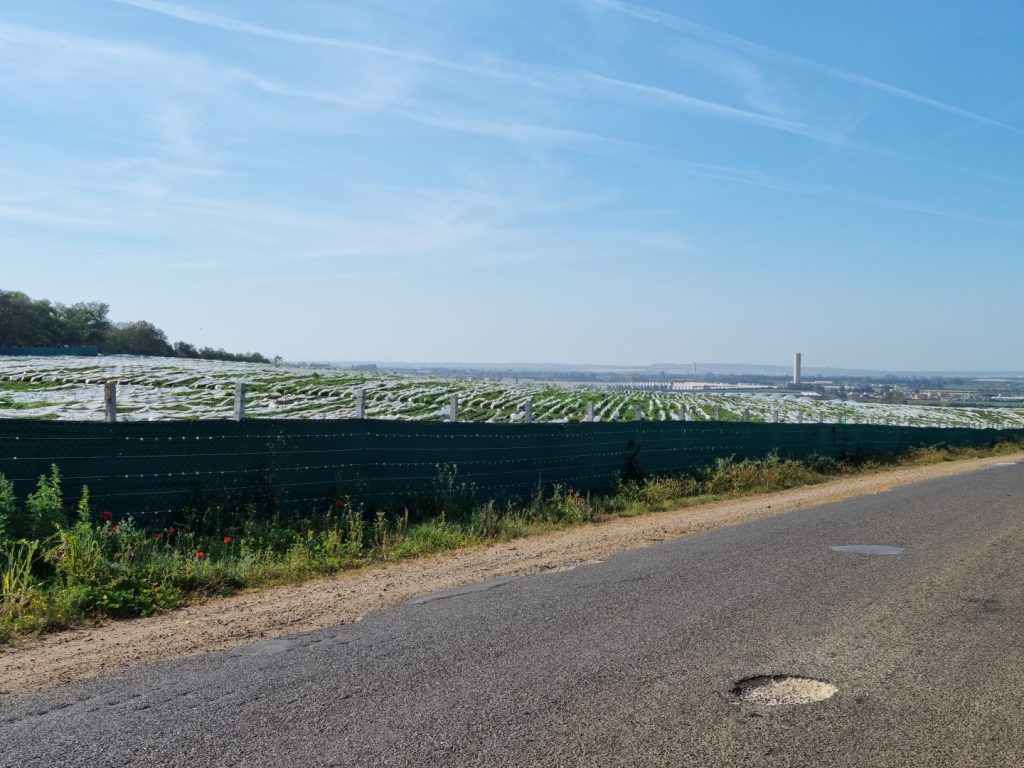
point(27, 322)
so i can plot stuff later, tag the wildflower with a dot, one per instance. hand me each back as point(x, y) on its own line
point(158, 535)
point(199, 554)
point(339, 502)
point(171, 531)
point(113, 529)
point(106, 517)
point(227, 539)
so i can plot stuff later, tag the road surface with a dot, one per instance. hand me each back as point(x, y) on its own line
point(628, 662)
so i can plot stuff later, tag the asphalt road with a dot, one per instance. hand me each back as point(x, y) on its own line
point(629, 662)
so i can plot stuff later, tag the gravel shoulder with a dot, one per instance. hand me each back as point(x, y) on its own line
point(267, 613)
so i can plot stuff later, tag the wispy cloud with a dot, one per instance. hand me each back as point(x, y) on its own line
point(765, 181)
point(564, 82)
point(719, 37)
point(664, 97)
point(509, 131)
point(759, 89)
point(229, 24)
point(565, 138)
point(147, 196)
point(174, 126)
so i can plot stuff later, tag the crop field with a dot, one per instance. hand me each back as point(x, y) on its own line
point(71, 388)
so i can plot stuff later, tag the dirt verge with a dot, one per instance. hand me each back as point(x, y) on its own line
point(267, 613)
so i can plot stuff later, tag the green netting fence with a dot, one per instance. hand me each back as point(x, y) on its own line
point(149, 469)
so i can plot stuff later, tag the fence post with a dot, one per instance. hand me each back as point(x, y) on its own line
point(453, 409)
point(360, 404)
point(590, 411)
point(239, 400)
point(821, 416)
point(746, 414)
point(639, 414)
point(528, 410)
point(776, 415)
point(718, 413)
point(682, 412)
point(799, 417)
point(110, 401)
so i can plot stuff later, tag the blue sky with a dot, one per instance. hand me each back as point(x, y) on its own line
point(577, 181)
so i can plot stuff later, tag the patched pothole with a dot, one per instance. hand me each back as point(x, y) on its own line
point(777, 690)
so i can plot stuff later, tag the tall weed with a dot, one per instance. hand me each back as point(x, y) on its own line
point(45, 507)
point(16, 578)
point(8, 506)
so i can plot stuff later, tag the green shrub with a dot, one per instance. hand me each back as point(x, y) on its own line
point(434, 536)
point(130, 594)
point(8, 506)
point(77, 553)
point(44, 507)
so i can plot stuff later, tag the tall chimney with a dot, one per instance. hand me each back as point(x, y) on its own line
point(796, 367)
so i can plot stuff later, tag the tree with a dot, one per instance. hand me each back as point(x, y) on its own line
point(184, 349)
point(27, 323)
point(84, 323)
point(138, 338)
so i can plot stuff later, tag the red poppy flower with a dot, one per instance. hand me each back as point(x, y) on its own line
point(106, 516)
point(339, 502)
point(113, 529)
point(199, 554)
point(227, 539)
point(171, 531)
point(158, 535)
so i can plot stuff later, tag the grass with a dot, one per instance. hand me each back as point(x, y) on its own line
point(25, 386)
point(10, 404)
point(58, 571)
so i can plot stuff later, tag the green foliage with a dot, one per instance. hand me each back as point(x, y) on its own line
point(452, 496)
point(137, 338)
point(387, 535)
point(84, 323)
point(486, 523)
point(143, 594)
point(77, 553)
point(44, 507)
point(770, 473)
point(16, 573)
point(17, 596)
point(8, 506)
point(27, 322)
point(82, 511)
